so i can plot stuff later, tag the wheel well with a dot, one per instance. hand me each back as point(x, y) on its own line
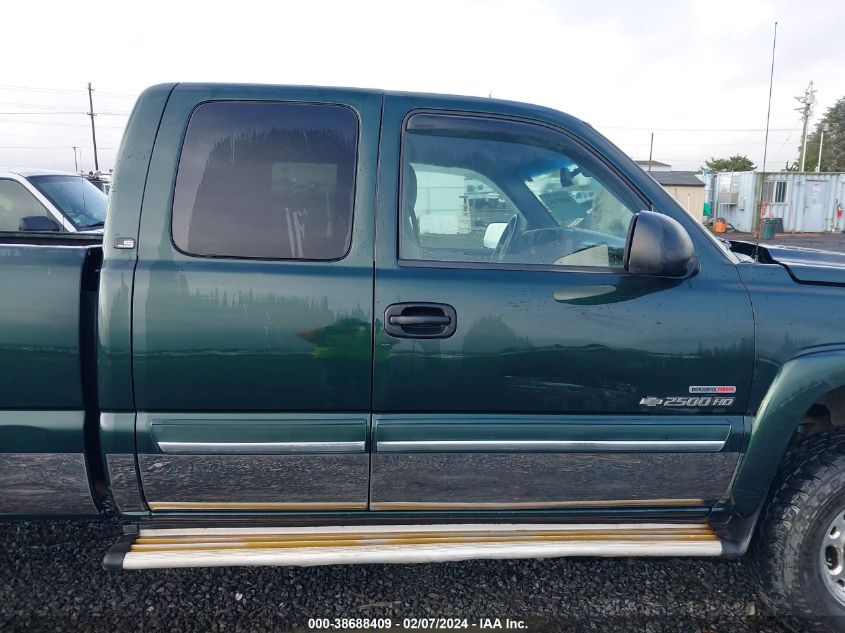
point(826, 413)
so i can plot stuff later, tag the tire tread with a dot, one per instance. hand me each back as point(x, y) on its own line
point(805, 469)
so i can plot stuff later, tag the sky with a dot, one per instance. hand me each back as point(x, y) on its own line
point(695, 73)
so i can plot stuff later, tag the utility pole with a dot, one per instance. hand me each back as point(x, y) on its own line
point(807, 101)
point(75, 163)
point(825, 128)
point(650, 151)
point(94, 131)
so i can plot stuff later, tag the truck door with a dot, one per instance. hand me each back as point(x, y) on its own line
point(517, 364)
point(252, 317)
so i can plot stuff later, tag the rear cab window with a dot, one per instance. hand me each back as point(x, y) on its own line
point(266, 180)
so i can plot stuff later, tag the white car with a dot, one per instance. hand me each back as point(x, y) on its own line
point(56, 201)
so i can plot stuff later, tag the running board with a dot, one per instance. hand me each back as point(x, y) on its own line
point(152, 548)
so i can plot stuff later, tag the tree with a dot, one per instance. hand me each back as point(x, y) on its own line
point(736, 162)
point(833, 152)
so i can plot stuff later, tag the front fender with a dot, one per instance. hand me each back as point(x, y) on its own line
point(799, 383)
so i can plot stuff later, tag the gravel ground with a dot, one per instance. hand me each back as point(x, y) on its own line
point(51, 579)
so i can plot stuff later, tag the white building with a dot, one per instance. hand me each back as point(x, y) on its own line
point(807, 202)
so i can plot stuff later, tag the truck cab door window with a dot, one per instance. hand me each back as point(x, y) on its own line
point(449, 216)
point(508, 193)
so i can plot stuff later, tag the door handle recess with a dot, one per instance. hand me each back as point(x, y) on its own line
point(420, 320)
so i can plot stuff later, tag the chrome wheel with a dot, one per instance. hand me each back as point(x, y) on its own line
point(832, 558)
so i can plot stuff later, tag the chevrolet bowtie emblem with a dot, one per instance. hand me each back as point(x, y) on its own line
point(651, 401)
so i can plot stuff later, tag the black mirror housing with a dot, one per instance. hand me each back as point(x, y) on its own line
point(566, 177)
point(659, 246)
point(38, 223)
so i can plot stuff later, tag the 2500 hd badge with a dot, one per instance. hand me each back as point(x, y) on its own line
point(685, 401)
point(695, 401)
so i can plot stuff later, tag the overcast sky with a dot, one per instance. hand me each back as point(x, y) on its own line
point(694, 72)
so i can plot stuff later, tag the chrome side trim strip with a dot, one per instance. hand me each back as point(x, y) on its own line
point(265, 448)
point(536, 505)
point(257, 506)
point(528, 446)
point(492, 528)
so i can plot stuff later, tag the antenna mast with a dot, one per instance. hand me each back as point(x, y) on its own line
point(766, 145)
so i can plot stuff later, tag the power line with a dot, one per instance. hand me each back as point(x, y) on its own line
point(41, 89)
point(693, 144)
point(60, 124)
point(64, 91)
point(66, 112)
point(48, 113)
point(680, 160)
point(32, 105)
point(52, 137)
point(681, 129)
point(789, 136)
point(45, 147)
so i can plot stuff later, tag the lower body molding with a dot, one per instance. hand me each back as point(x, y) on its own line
point(255, 482)
point(45, 483)
point(429, 481)
point(123, 482)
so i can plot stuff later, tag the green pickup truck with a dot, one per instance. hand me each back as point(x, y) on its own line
point(332, 326)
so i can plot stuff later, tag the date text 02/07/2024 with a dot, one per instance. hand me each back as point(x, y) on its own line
point(412, 624)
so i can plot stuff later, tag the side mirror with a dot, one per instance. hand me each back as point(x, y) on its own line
point(659, 246)
point(566, 177)
point(38, 223)
point(493, 234)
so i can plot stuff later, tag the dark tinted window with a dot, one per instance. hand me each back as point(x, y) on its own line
point(266, 180)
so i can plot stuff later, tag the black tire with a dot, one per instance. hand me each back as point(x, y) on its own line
point(807, 495)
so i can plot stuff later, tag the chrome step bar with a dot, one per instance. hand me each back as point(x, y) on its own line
point(153, 548)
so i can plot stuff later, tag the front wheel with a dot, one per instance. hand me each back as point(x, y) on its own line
point(798, 554)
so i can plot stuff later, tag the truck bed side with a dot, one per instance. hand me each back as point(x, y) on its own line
point(46, 343)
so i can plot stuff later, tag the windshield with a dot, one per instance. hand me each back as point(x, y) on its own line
point(80, 201)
